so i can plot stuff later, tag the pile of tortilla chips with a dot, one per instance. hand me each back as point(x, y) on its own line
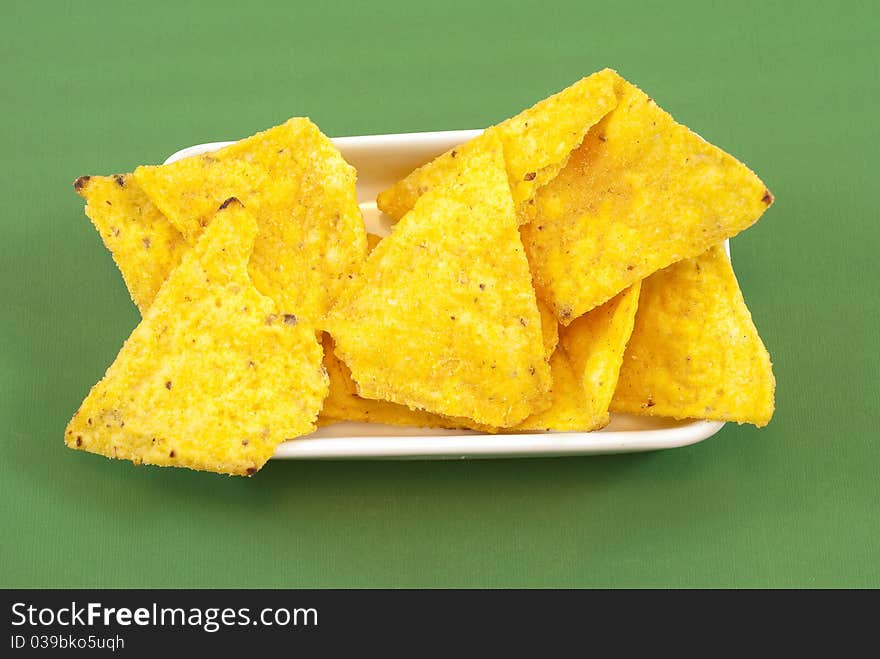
point(565, 264)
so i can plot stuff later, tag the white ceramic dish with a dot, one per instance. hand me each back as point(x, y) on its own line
point(381, 160)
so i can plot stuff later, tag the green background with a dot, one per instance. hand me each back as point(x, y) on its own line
point(790, 88)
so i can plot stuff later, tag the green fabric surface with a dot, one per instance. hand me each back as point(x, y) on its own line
point(791, 88)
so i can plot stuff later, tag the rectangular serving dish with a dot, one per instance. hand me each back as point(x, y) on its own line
point(381, 160)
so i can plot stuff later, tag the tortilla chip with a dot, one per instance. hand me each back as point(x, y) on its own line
point(695, 352)
point(443, 316)
point(595, 345)
point(537, 143)
point(343, 403)
point(640, 193)
point(549, 329)
point(302, 193)
point(144, 244)
point(212, 378)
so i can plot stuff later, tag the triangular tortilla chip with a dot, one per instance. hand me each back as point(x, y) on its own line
point(212, 378)
point(640, 193)
point(537, 143)
point(302, 193)
point(343, 403)
point(695, 352)
point(144, 244)
point(443, 316)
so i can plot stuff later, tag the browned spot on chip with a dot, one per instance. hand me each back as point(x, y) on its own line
point(80, 182)
point(79, 440)
point(529, 176)
point(290, 319)
point(147, 243)
point(767, 198)
point(168, 384)
point(172, 454)
point(119, 180)
point(229, 201)
point(251, 471)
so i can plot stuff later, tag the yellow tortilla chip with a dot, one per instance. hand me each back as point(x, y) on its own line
point(145, 245)
point(695, 352)
point(443, 316)
point(549, 329)
point(212, 378)
point(302, 194)
point(343, 403)
point(537, 143)
point(595, 345)
point(640, 193)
